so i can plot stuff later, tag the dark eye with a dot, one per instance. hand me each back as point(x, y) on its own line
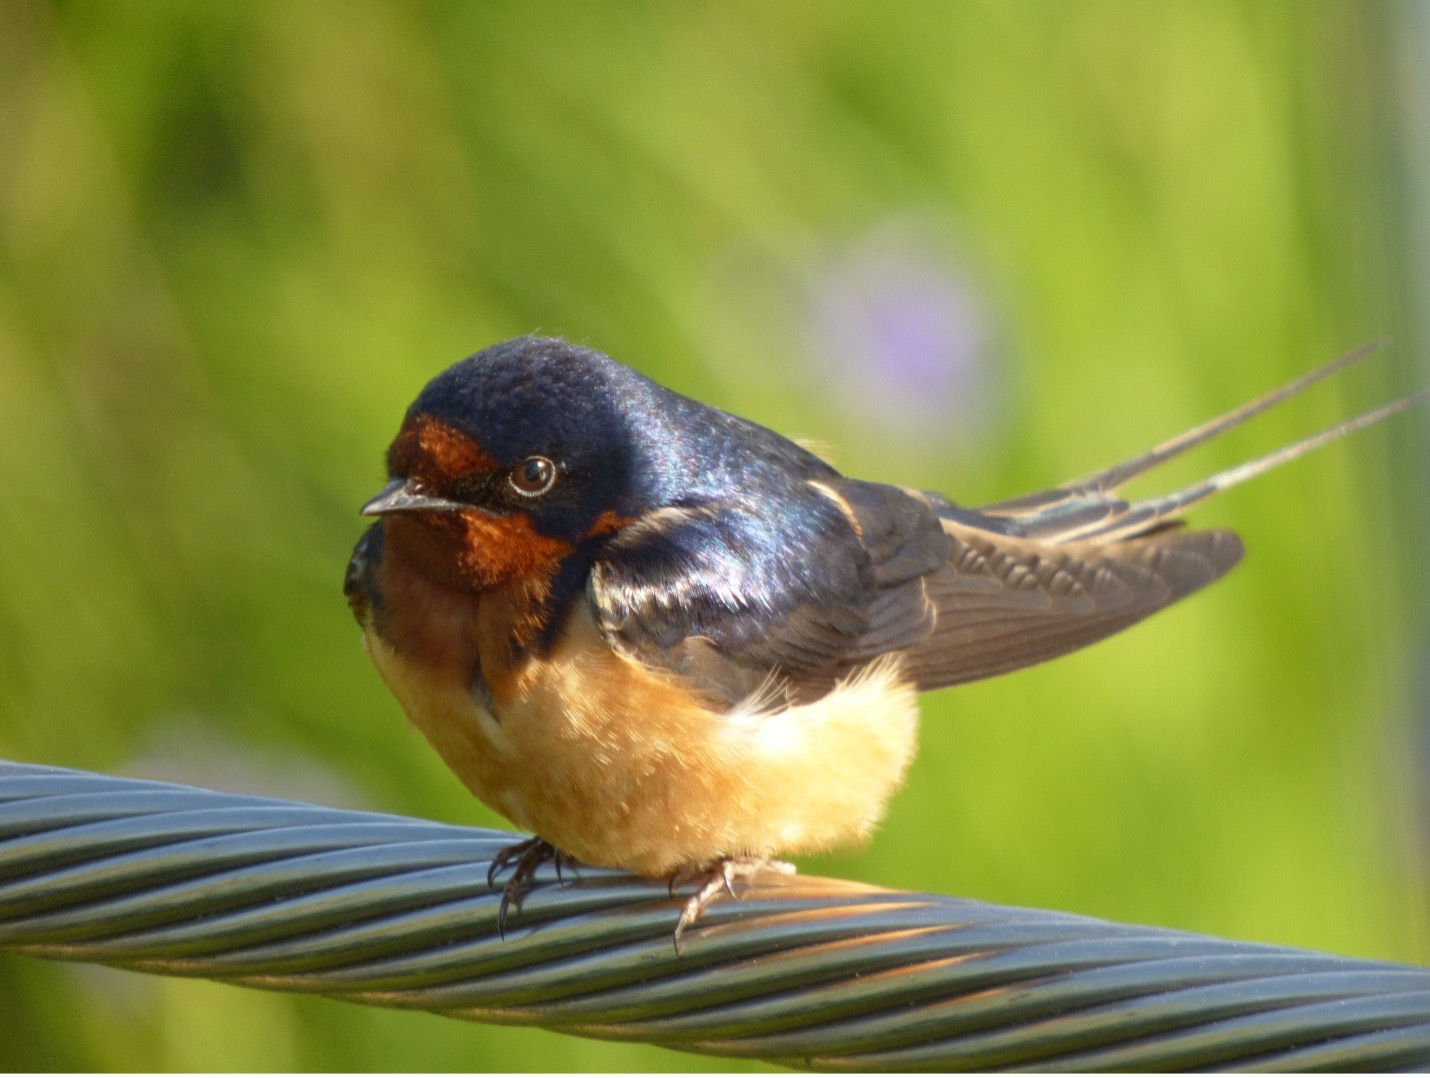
point(533, 477)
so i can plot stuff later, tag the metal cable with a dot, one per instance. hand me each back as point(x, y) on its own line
point(808, 972)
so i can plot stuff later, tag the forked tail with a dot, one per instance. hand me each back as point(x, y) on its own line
point(1088, 509)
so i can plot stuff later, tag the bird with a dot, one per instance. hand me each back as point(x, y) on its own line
point(665, 639)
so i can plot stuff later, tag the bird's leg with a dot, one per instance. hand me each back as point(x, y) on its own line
point(527, 856)
point(713, 879)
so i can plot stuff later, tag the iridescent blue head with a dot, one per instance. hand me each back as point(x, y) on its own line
point(535, 427)
point(533, 447)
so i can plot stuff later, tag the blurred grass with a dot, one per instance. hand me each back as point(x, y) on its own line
point(236, 239)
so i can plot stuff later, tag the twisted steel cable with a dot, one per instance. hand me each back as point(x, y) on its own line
point(807, 972)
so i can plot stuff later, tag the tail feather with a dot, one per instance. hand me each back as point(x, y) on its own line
point(1088, 508)
point(1140, 516)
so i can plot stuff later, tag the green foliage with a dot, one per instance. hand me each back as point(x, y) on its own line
point(236, 239)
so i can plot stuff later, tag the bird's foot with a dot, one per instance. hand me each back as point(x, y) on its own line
point(713, 879)
point(527, 857)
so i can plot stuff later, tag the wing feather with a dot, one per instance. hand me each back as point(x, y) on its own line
point(1004, 602)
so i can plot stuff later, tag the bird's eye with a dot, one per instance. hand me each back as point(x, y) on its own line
point(533, 477)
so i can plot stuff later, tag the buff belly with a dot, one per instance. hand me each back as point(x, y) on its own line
point(620, 766)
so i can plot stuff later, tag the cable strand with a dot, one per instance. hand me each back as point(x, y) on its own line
point(808, 972)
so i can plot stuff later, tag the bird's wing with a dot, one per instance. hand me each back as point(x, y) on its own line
point(790, 596)
point(1005, 602)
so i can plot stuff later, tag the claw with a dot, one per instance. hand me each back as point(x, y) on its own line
point(564, 861)
point(510, 855)
point(713, 879)
point(727, 878)
point(527, 856)
point(689, 874)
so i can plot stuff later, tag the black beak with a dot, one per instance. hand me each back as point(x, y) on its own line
point(404, 496)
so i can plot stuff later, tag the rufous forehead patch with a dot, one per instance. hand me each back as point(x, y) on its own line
point(427, 448)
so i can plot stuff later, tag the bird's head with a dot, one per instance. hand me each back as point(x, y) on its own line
point(513, 458)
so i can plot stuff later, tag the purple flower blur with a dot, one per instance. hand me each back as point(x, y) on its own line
point(899, 334)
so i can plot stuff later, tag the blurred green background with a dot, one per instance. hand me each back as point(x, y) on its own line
point(973, 247)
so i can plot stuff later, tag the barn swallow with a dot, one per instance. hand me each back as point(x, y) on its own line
point(666, 639)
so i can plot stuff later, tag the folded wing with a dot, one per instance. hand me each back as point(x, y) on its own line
point(1005, 602)
point(788, 597)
